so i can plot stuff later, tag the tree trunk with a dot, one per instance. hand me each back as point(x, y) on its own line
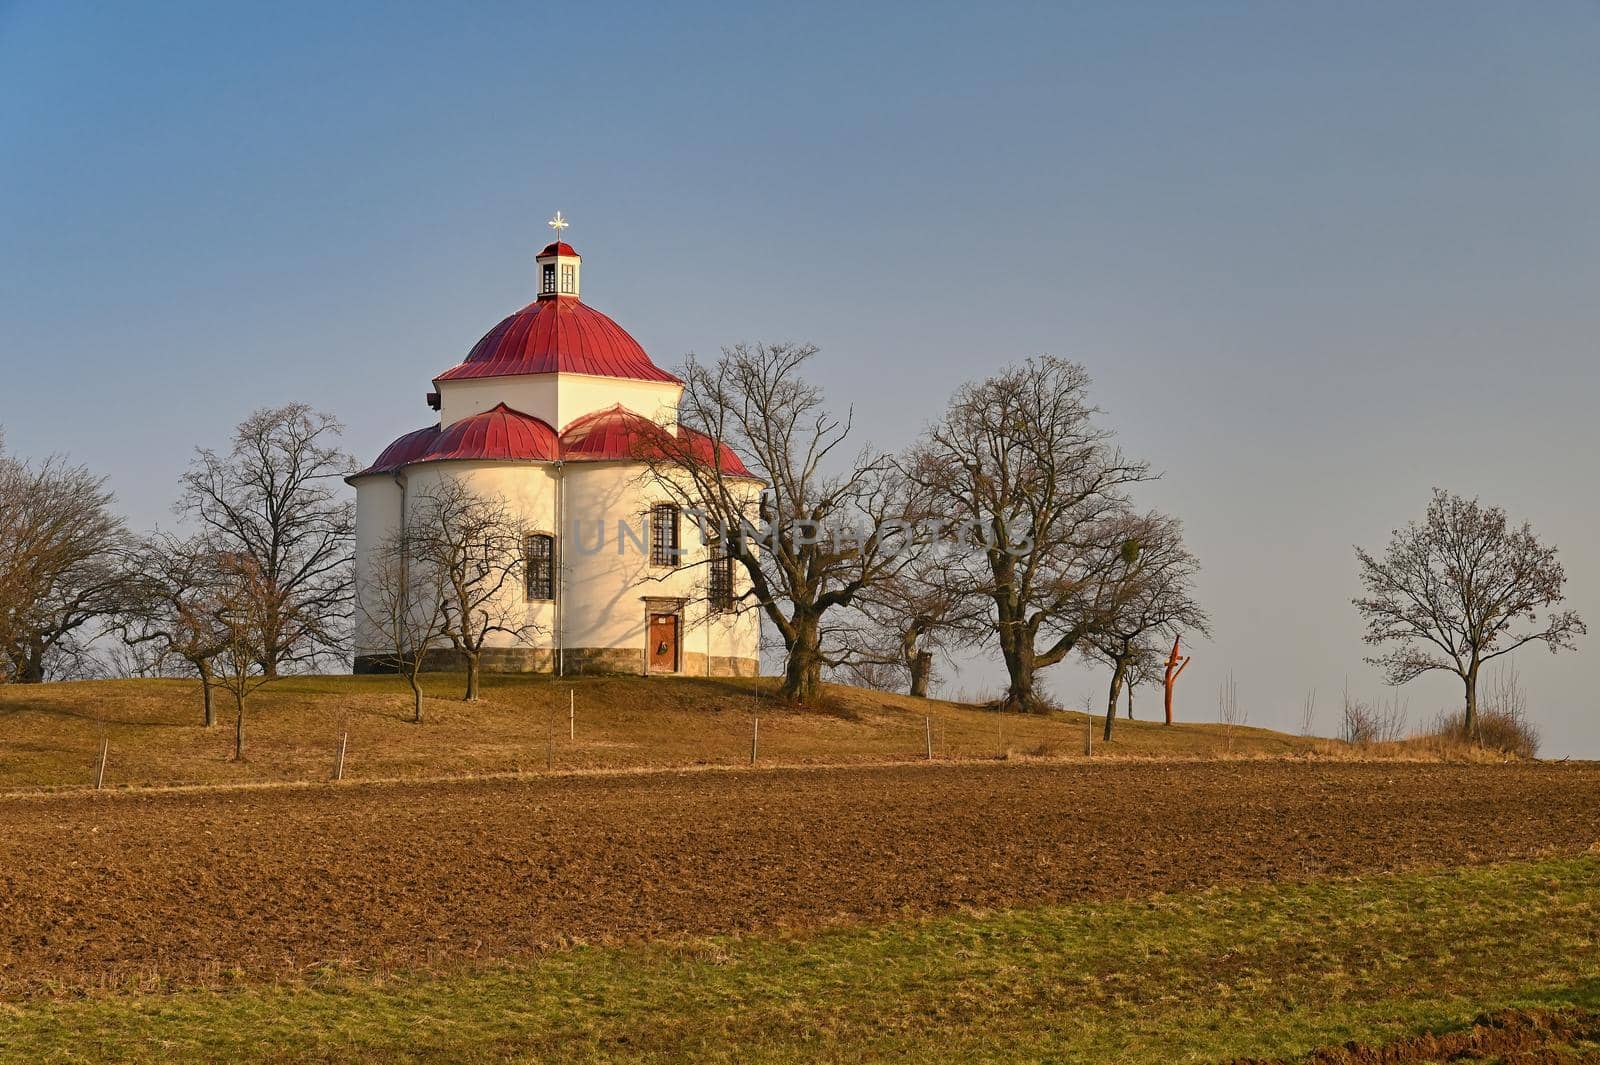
point(802, 672)
point(416, 698)
point(472, 678)
point(1469, 721)
point(1118, 671)
point(238, 727)
point(31, 669)
point(206, 691)
point(1020, 694)
point(1130, 700)
point(921, 669)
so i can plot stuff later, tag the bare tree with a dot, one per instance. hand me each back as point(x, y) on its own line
point(1308, 713)
point(900, 622)
point(1144, 668)
point(275, 498)
point(824, 528)
point(60, 564)
point(404, 603)
point(469, 546)
point(1229, 710)
point(1018, 460)
point(1149, 595)
point(174, 605)
point(1459, 589)
point(249, 625)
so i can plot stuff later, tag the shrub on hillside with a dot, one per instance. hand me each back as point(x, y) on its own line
point(1503, 723)
point(1365, 723)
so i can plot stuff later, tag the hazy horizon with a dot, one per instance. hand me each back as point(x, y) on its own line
point(1318, 260)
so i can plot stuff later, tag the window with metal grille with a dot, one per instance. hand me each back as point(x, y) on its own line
point(663, 535)
point(549, 277)
point(540, 550)
point(569, 277)
point(719, 584)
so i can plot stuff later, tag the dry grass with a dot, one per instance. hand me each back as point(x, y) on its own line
point(50, 734)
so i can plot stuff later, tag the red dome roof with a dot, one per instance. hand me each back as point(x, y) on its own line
point(619, 433)
point(503, 433)
point(559, 247)
point(404, 451)
point(613, 433)
point(560, 335)
point(703, 448)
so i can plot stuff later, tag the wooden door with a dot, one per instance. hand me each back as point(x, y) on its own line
point(663, 650)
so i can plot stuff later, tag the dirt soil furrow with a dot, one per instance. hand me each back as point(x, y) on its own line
point(162, 889)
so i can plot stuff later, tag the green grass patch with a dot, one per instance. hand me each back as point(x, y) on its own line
point(1265, 970)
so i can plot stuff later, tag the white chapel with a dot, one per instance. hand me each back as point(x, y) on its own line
point(547, 413)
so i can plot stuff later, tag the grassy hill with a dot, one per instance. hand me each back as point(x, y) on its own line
point(50, 734)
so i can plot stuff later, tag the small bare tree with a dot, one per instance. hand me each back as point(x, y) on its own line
point(1230, 712)
point(469, 546)
point(1149, 596)
point(277, 498)
point(60, 565)
point(1459, 589)
point(248, 626)
point(404, 602)
point(174, 605)
point(902, 621)
point(1146, 667)
point(1308, 713)
point(823, 528)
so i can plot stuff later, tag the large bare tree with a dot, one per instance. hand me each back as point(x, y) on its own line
point(468, 546)
point(61, 565)
point(823, 528)
point(277, 498)
point(1150, 597)
point(1461, 588)
point(1019, 462)
point(175, 604)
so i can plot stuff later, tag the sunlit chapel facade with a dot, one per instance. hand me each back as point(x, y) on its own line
point(548, 412)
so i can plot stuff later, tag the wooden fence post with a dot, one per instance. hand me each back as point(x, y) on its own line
point(755, 737)
point(572, 714)
point(100, 764)
point(1088, 736)
point(927, 733)
point(338, 761)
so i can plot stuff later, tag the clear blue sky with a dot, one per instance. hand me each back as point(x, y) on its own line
point(1319, 257)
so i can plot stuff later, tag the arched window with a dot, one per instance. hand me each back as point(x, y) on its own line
point(539, 551)
point(664, 535)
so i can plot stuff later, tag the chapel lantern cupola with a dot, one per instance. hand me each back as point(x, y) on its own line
point(559, 265)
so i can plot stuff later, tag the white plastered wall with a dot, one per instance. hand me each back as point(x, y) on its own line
point(603, 589)
point(558, 398)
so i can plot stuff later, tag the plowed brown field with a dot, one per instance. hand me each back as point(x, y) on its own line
point(170, 888)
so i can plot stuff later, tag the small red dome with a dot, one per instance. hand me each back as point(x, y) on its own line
point(501, 433)
point(510, 435)
point(560, 335)
point(619, 433)
point(404, 451)
point(613, 433)
point(703, 448)
point(559, 247)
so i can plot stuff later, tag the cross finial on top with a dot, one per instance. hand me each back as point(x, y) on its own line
point(558, 224)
